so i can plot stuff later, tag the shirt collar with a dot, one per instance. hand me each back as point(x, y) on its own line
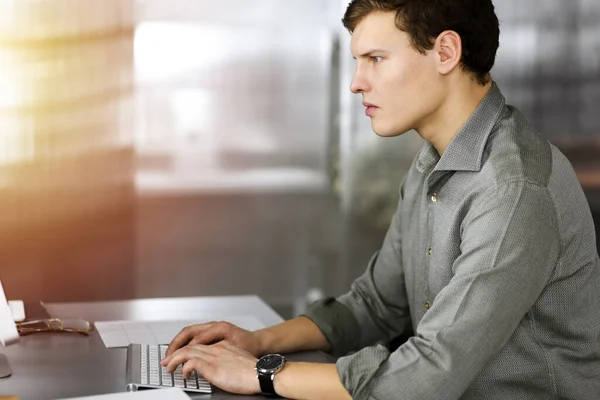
point(465, 151)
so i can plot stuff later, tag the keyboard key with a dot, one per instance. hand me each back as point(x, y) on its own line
point(179, 383)
point(144, 365)
point(192, 381)
point(166, 377)
point(154, 380)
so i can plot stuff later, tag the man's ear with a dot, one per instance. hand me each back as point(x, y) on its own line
point(448, 47)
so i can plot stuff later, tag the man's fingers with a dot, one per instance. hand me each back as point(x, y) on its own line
point(195, 344)
point(165, 361)
point(180, 356)
point(174, 361)
point(185, 335)
point(180, 340)
point(208, 336)
point(188, 355)
point(214, 333)
point(198, 363)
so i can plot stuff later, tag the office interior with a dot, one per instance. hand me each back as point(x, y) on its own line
point(153, 148)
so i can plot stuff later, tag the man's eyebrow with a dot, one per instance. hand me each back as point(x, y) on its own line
point(370, 52)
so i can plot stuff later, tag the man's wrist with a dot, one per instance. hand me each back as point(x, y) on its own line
point(256, 388)
point(279, 383)
point(302, 380)
point(263, 339)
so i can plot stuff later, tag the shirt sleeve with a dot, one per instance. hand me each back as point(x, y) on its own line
point(509, 247)
point(376, 307)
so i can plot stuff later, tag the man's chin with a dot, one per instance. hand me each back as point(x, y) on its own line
point(383, 132)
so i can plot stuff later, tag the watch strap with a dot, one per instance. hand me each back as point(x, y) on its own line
point(266, 384)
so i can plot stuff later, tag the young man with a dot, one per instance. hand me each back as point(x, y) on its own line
point(491, 254)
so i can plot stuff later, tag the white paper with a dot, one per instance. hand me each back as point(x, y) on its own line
point(123, 333)
point(155, 394)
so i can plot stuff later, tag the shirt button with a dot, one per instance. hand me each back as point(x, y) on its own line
point(434, 198)
point(427, 305)
point(429, 251)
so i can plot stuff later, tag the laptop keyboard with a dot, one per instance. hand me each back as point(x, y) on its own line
point(155, 374)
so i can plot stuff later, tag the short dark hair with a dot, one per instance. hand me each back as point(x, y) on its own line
point(423, 20)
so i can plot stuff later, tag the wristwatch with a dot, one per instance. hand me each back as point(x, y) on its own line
point(266, 368)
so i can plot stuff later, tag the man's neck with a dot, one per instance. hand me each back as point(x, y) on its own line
point(461, 101)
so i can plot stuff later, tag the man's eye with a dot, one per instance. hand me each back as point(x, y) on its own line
point(376, 59)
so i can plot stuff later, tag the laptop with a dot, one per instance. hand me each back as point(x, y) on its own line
point(145, 372)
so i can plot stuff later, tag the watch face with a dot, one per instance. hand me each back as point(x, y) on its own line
point(270, 362)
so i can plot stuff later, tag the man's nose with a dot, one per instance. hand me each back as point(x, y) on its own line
point(358, 84)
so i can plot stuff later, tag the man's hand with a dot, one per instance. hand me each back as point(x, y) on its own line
point(224, 365)
point(214, 332)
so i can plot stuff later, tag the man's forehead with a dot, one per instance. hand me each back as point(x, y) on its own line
point(375, 31)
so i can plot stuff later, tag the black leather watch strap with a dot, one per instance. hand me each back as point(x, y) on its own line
point(266, 385)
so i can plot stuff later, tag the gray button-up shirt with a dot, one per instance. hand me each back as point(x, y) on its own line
point(491, 255)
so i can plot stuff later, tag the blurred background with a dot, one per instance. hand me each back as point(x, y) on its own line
point(153, 148)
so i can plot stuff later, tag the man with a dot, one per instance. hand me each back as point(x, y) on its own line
point(491, 254)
